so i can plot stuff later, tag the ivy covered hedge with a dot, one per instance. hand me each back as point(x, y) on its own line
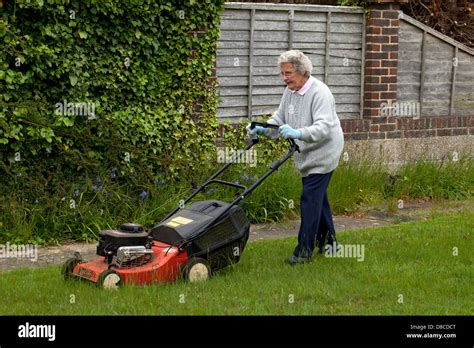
point(107, 114)
point(104, 87)
point(104, 106)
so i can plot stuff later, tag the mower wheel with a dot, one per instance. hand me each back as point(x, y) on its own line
point(197, 269)
point(109, 279)
point(68, 267)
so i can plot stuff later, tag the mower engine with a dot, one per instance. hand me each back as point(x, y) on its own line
point(125, 238)
point(132, 256)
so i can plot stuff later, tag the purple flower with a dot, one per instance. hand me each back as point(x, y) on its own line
point(76, 192)
point(97, 185)
point(143, 196)
point(114, 173)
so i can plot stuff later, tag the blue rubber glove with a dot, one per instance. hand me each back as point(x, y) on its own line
point(255, 131)
point(288, 132)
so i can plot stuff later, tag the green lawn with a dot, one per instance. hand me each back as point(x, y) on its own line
point(408, 269)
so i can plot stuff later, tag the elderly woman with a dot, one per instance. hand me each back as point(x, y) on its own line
point(307, 113)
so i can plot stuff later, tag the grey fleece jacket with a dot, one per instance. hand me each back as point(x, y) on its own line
point(314, 114)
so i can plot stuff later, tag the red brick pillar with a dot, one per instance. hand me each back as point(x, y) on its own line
point(381, 58)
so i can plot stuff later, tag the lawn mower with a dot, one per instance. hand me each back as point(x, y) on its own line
point(190, 242)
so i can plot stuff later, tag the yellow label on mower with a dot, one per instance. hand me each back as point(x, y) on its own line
point(178, 221)
point(182, 220)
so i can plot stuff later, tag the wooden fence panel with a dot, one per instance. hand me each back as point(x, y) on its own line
point(254, 35)
point(434, 70)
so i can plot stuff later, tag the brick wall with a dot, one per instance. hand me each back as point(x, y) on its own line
point(381, 54)
point(383, 127)
point(380, 86)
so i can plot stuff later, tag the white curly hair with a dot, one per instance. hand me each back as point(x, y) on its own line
point(299, 60)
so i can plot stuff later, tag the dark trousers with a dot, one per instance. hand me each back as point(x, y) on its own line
point(316, 217)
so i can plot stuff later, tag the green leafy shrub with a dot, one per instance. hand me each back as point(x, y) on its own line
point(140, 66)
point(116, 91)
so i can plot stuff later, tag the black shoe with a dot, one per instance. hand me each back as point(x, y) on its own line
point(320, 250)
point(295, 260)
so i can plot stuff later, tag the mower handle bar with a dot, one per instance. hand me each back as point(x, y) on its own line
point(254, 124)
point(212, 180)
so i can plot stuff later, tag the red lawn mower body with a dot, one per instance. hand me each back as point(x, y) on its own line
point(191, 242)
point(165, 266)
